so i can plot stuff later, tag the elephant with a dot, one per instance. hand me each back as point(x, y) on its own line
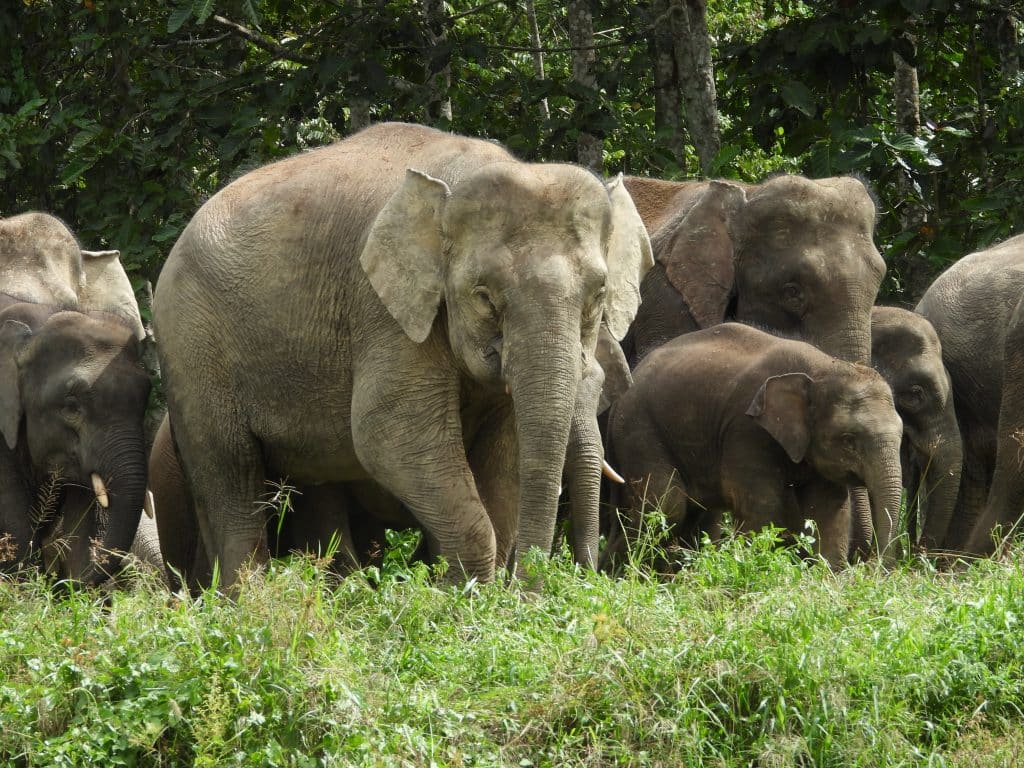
point(731, 418)
point(419, 309)
point(41, 262)
point(315, 515)
point(976, 309)
point(791, 255)
point(906, 350)
point(72, 398)
point(321, 512)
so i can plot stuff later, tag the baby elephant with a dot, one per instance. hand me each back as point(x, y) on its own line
point(774, 430)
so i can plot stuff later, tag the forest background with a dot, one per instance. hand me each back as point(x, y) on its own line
point(122, 117)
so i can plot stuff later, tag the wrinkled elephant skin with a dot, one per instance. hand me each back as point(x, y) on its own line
point(419, 310)
point(773, 430)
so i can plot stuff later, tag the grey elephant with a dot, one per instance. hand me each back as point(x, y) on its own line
point(354, 515)
point(420, 309)
point(357, 513)
point(774, 430)
point(72, 400)
point(975, 307)
point(906, 350)
point(791, 255)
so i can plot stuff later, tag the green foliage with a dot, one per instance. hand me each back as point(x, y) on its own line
point(123, 117)
point(749, 655)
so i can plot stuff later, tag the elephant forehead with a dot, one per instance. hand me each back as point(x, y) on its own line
point(523, 194)
point(799, 201)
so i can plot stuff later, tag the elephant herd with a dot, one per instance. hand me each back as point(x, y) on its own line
point(414, 328)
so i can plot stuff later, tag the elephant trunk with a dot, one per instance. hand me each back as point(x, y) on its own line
point(583, 470)
point(940, 481)
point(543, 370)
point(123, 471)
point(885, 488)
point(852, 342)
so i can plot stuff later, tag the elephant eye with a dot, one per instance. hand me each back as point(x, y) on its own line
point(483, 301)
point(72, 406)
point(912, 398)
point(793, 298)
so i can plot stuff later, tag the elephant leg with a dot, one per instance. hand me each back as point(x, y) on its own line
point(411, 443)
point(224, 469)
point(15, 513)
point(494, 459)
point(1005, 503)
point(662, 489)
point(828, 505)
point(974, 489)
point(320, 514)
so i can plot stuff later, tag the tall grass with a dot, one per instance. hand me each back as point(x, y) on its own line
point(748, 656)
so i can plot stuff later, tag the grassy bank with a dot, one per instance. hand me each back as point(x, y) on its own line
point(747, 657)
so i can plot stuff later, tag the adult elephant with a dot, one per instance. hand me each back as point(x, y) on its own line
point(419, 309)
point(356, 514)
point(906, 350)
point(976, 308)
point(72, 397)
point(791, 255)
point(774, 430)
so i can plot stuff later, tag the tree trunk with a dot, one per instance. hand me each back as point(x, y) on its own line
point(908, 108)
point(1006, 42)
point(697, 78)
point(668, 119)
point(538, 54)
point(438, 60)
point(589, 148)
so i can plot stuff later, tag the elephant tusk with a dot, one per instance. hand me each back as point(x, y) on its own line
point(611, 474)
point(100, 490)
point(149, 505)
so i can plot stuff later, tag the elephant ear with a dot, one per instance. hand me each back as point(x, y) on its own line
point(629, 258)
point(403, 255)
point(696, 249)
point(617, 377)
point(13, 336)
point(782, 408)
point(108, 289)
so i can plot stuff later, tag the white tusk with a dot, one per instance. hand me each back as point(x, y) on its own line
point(611, 474)
point(100, 254)
point(100, 490)
point(149, 505)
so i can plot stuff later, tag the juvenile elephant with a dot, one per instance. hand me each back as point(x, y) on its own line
point(420, 309)
point(791, 255)
point(906, 351)
point(773, 430)
point(976, 308)
point(72, 397)
point(72, 400)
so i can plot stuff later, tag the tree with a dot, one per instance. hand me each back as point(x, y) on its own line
point(590, 148)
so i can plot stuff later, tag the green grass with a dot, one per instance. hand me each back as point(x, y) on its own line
point(749, 656)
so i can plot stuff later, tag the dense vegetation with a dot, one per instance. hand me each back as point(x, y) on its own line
point(121, 117)
point(747, 657)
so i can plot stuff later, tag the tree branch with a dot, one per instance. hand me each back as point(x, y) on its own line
point(261, 42)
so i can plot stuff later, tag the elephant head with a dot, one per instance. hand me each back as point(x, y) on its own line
point(842, 423)
point(793, 256)
point(527, 261)
point(906, 350)
point(40, 261)
point(72, 400)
